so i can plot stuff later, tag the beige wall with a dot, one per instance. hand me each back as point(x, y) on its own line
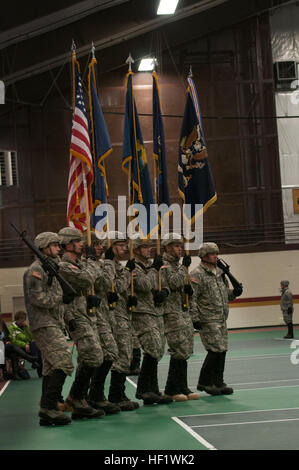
point(260, 274)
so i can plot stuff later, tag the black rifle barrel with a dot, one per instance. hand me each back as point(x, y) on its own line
point(49, 267)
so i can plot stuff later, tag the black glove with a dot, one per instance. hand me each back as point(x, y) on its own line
point(68, 298)
point(132, 301)
point(290, 310)
point(186, 261)
point(238, 290)
point(188, 289)
point(93, 301)
point(160, 296)
point(90, 253)
point(72, 325)
point(130, 266)
point(158, 262)
point(197, 325)
point(112, 297)
point(109, 254)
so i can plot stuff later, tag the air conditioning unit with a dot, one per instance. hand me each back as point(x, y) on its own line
point(286, 73)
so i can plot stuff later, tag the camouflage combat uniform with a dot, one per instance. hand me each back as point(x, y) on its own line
point(123, 321)
point(179, 329)
point(286, 304)
point(287, 308)
point(209, 306)
point(81, 275)
point(148, 319)
point(45, 314)
point(105, 319)
point(178, 325)
point(209, 311)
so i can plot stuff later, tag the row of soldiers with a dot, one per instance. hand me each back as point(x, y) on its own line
point(113, 300)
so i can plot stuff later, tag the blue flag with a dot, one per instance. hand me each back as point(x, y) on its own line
point(101, 148)
point(134, 156)
point(195, 181)
point(159, 147)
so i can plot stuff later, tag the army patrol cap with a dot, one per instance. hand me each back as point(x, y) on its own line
point(207, 248)
point(68, 234)
point(138, 241)
point(169, 238)
point(114, 237)
point(284, 283)
point(42, 240)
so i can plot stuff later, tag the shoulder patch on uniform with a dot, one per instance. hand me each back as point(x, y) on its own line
point(37, 274)
point(196, 281)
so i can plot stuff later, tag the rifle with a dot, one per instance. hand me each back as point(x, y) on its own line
point(238, 287)
point(49, 267)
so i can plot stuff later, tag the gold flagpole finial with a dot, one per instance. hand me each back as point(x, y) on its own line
point(130, 61)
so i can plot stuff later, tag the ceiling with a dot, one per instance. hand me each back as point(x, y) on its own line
point(35, 43)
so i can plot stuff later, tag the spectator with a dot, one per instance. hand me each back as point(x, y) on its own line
point(21, 336)
point(13, 353)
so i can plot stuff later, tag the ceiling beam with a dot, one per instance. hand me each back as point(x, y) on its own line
point(55, 20)
point(110, 41)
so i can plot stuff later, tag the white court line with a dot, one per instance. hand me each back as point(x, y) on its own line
point(238, 412)
point(263, 382)
point(241, 358)
point(194, 434)
point(5, 386)
point(265, 388)
point(245, 422)
point(267, 382)
point(131, 382)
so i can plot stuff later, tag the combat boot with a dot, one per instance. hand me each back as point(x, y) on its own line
point(290, 333)
point(172, 387)
point(51, 391)
point(76, 399)
point(96, 397)
point(162, 399)
point(145, 379)
point(184, 388)
point(218, 376)
point(117, 392)
point(135, 364)
point(206, 376)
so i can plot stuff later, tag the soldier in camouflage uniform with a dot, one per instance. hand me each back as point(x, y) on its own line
point(287, 307)
point(105, 325)
point(148, 321)
point(209, 311)
point(44, 304)
point(178, 325)
point(123, 333)
point(81, 275)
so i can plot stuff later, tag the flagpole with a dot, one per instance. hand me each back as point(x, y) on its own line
point(87, 212)
point(130, 61)
point(190, 74)
point(156, 189)
point(92, 76)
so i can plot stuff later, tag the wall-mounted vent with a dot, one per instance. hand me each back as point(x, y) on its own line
point(8, 168)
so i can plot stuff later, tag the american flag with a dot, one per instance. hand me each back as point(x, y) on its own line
point(81, 165)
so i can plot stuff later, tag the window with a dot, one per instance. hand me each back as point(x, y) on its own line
point(8, 168)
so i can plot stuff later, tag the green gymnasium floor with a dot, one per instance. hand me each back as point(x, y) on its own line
point(263, 413)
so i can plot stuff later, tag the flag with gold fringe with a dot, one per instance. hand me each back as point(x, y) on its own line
point(101, 148)
point(195, 181)
point(134, 164)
